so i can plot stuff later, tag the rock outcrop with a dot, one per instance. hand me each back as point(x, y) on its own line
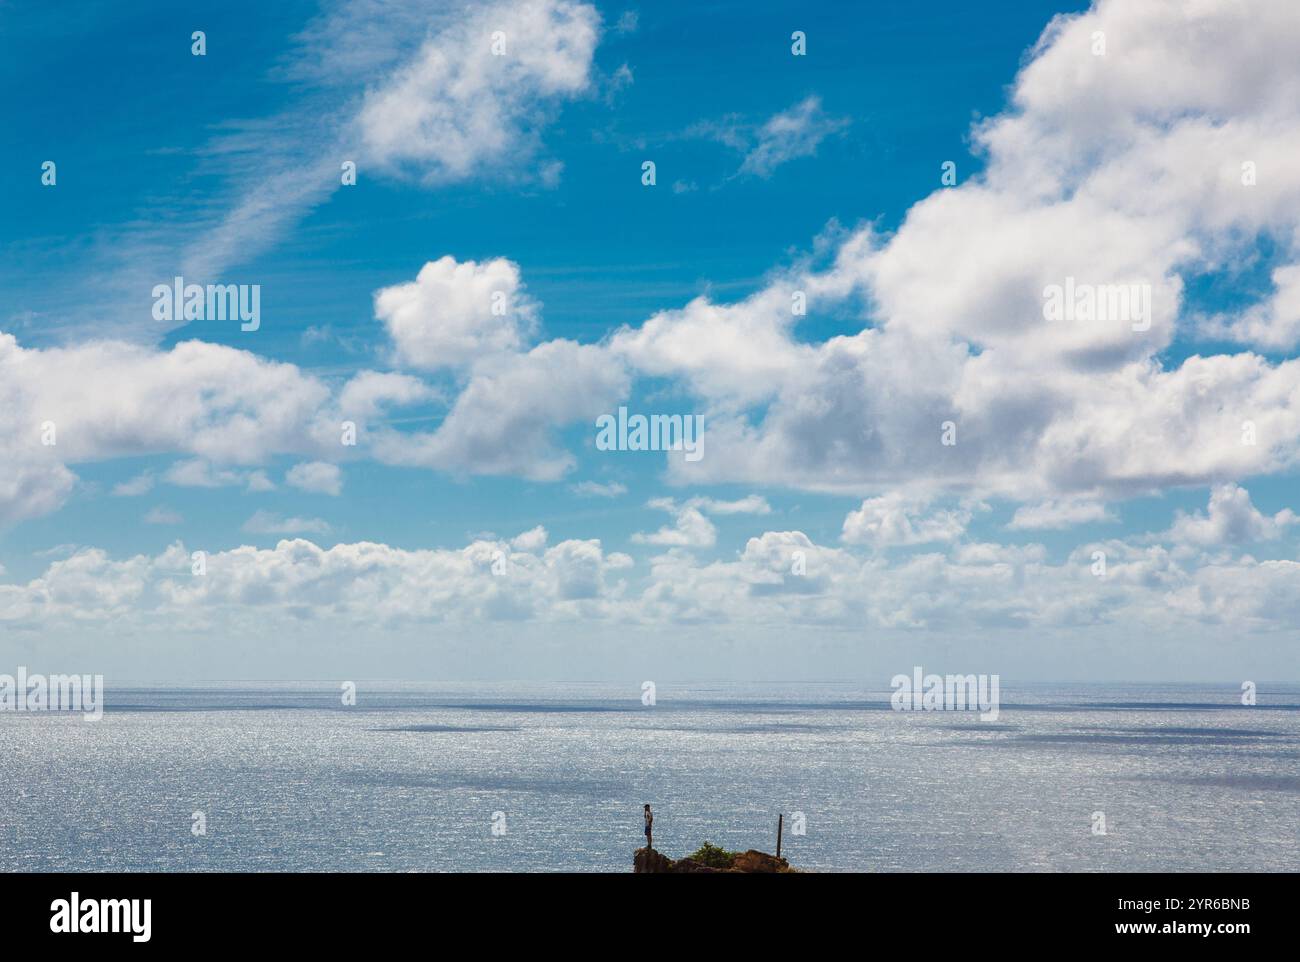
point(647, 861)
point(760, 862)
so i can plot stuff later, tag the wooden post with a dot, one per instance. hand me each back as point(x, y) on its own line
point(780, 821)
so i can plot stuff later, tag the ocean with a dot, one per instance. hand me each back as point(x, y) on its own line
point(549, 777)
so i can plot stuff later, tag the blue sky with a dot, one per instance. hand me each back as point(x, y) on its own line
point(158, 151)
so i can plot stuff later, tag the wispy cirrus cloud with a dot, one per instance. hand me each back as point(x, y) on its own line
point(599, 489)
point(787, 135)
point(447, 108)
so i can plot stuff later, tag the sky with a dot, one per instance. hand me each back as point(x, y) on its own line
point(840, 268)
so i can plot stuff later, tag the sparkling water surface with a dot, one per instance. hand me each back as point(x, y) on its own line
point(410, 778)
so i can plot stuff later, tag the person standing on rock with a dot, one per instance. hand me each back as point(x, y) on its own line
point(649, 822)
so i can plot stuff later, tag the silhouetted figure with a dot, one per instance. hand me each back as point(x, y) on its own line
point(649, 822)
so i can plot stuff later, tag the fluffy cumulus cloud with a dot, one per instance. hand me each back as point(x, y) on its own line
point(110, 399)
point(727, 354)
point(32, 489)
point(367, 394)
point(531, 540)
point(225, 410)
point(92, 402)
point(895, 519)
point(504, 420)
point(453, 313)
point(1103, 173)
point(228, 410)
point(1231, 519)
point(691, 528)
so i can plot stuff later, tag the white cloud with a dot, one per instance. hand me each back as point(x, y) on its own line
point(453, 313)
point(317, 477)
point(598, 489)
point(1093, 153)
point(790, 134)
point(750, 504)
point(162, 515)
point(89, 585)
point(1272, 324)
point(32, 489)
point(141, 484)
point(781, 580)
point(365, 396)
point(895, 519)
point(503, 421)
point(690, 527)
point(793, 133)
point(1231, 519)
point(267, 522)
point(456, 109)
point(225, 409)
point(627, 22)
point(532, 540)
point(198, 473)
point(1058, 515)
point(727, 353)
point(109, 400)
point(362, 583)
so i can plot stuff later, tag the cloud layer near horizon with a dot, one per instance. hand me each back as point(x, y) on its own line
point(1184, 577)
